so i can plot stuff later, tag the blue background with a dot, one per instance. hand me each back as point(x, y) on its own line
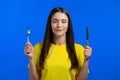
point(102, 17)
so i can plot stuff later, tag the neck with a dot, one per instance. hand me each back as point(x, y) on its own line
point(59, 40)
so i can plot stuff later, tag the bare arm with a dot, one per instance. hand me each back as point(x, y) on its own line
point(83, 73)
point(33, 72)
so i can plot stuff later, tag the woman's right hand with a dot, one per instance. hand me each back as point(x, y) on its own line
point(29, 50)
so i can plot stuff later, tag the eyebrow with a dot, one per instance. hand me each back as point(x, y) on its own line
point(54, 19)
point(58, 19)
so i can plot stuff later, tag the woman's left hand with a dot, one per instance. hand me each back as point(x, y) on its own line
point(87, 52)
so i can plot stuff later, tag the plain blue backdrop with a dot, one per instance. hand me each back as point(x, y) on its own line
point(101, 16)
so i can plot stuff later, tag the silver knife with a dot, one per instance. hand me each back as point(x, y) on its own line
point(87, 35)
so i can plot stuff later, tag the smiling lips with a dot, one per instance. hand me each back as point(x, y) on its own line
point(58, 29)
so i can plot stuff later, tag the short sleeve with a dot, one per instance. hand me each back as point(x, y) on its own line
point(37, 51)
point(80, 54)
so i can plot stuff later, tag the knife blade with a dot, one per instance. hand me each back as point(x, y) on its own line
point(87, 35)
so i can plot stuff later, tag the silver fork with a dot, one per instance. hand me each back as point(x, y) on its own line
point(28, 34)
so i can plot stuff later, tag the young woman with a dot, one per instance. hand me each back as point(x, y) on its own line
point(58, 57)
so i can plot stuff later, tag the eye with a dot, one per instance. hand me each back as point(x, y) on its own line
point(54, 21)
point(64, 21)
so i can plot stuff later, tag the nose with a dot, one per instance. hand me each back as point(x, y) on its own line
point(59, 24)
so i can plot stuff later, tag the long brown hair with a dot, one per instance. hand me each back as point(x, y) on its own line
point(48, 39)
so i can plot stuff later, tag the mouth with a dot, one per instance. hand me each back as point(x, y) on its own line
point(58, 29)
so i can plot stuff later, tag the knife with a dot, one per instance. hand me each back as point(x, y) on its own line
point(87, 35)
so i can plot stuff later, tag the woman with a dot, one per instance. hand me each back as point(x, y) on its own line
point(58, 57)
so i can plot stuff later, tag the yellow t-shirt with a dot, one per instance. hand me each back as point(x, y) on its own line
point(57, 64)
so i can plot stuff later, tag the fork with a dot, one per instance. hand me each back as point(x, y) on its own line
point(28, 34)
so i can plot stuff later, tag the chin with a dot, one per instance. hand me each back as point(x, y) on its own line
point(60, 34)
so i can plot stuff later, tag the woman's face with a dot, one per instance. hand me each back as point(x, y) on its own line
point(59, 24)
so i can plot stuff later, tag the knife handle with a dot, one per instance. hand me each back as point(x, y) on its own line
point(86, 42)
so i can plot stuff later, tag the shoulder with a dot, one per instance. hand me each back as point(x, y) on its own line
point(79, 53)
point(79, 50)
point(38, 45)
point(37, 51)
point(78, 46)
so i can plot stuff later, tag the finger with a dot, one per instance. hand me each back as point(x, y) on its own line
point(28, 43)
point(28, 54)
point(28, 49)
point(86, 50)
point(29, 46)
point(87, 47)
point(87, 54)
